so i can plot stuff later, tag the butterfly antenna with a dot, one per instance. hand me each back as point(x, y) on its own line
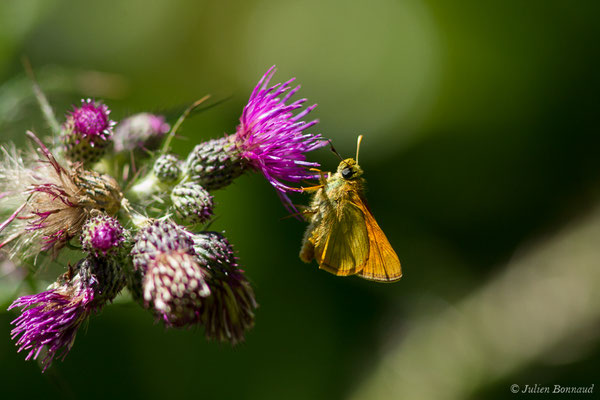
point(334, 150)
point(358, 141)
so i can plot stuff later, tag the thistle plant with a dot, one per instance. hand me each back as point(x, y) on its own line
point(144, 232)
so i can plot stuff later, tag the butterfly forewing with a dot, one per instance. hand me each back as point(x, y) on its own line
point(382, 263)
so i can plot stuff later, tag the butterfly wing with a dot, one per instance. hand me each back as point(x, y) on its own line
point(382, 264)
point(342, 241)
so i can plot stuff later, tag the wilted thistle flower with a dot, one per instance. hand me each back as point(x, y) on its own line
point(51, 319)
point(101, 235)
point(173, 284)
point(192, 203)
point(87, 132)
point(50, 202)
point(229, 310)
point(270, 139)
point(140, 131)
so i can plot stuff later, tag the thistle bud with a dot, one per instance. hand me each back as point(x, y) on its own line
point(102, 235)
point(159, 237)
point(167, 168)
point(87, 132)
point(192, 203)
point(214, 164)
point(140, 131)
point(107, 274)
point(229, 311)
point(173, 284)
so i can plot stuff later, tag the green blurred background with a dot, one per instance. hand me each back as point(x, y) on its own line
point(481, 147)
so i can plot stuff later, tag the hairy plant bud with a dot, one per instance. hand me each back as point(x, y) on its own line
point(192, 203)
point(214, 164)
point(229, 311)
point(167, 168)
point(173, 283)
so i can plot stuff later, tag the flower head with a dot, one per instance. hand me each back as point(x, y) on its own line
point(101, 235)
point(91, 120)
point(272, 139)
point(51, 202)
point(140, 131)
point(173, 283)
point(52, 318)
point(87, 132)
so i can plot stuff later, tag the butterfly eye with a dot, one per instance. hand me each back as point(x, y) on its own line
point(347, 173)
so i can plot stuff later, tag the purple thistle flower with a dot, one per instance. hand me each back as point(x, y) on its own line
point(91, 120)
point(272, 139)
point(87, 132)
point(106, 237)
point(102, 234)
point(51, 319)
point(269, 139)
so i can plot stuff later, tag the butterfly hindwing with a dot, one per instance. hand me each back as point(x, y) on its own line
point(345, 247)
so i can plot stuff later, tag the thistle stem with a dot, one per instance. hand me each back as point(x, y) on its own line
point(42, 100)
point(167, 144)
point(145, 187)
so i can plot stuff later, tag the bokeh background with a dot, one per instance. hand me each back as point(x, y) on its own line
point(481, 153)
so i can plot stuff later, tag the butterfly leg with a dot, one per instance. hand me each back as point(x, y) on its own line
point(323, 176)
point(307, 253)
point(305, 212)
point(322, 180)
point(310, 188)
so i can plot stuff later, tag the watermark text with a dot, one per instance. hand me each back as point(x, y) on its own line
point(551, 389)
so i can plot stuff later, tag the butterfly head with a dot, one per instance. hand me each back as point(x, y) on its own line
point(349, 169)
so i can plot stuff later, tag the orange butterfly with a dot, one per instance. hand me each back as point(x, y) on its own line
point(343, 235)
